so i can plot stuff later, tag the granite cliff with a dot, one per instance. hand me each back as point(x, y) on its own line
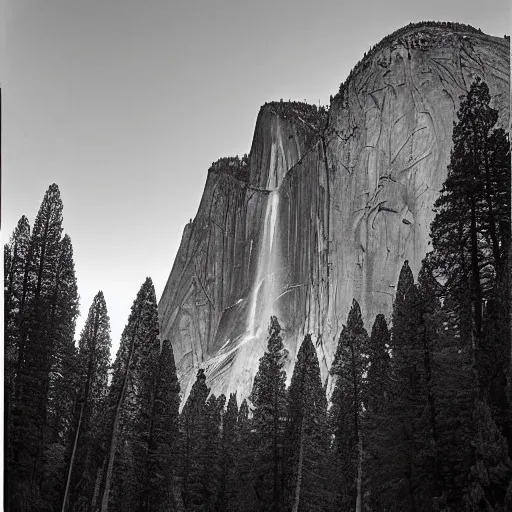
point(326, 207)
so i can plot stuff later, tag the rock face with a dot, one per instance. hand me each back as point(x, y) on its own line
point(330, 206)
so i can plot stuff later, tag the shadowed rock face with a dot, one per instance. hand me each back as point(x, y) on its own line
point(331, 210)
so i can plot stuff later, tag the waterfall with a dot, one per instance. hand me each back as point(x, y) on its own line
point(264, 287)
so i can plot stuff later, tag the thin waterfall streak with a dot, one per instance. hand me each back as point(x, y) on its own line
point(265, 275)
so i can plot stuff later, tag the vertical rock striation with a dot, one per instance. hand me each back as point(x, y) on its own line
point(327, 207)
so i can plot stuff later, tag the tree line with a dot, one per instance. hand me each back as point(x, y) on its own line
point(419, 418)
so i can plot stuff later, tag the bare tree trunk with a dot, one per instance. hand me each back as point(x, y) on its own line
point(275, 493)
point(72, 461)
point(359, 476)
point(176, 492)
point(299, 469)
point(97, 484)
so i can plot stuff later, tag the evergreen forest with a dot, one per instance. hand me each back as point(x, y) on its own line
point(418, 417)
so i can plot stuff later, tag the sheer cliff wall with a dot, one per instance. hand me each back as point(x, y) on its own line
point(332, 207)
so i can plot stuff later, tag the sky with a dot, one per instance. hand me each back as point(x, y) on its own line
point(125, 104)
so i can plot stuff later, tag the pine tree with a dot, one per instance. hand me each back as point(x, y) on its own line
point(349, 367)
point(307, 434)
point(91, 381)
point(61, 390)
point(161, 492)
point(377, 385)
point(194, 436)
point(228, 456)
point(411, 408)
point(16, 257)
point(244, 494)
point(213, 468)
point(46, 328)
point(377, 400)
point(63, 313)
point(130, 404)
point(269, 400)
point(471, 230)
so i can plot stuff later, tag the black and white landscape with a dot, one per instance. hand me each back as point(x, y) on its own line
point(334, 334)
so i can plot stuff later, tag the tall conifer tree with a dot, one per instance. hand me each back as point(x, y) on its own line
point(194, 436)
point(244, 495)
point(471, 230)
point(269, 400)
point(377, 400)
point(228, 455)
point(47, 318)
point(307, 434)
point(16, 258)
point(349, 367)
point(91, 380)
point(161, 492)
point(130, 404)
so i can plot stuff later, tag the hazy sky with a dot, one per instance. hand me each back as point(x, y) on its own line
point(125, 104)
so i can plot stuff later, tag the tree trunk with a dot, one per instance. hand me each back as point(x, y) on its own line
point(299, 468)
point(359, 497)
point(275, 493)
point(176, 492)
point(357, 434)
point(71, 462)
point(476, 288)
point(97, 484)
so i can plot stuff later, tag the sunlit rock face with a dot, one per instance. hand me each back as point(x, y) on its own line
point(331, 208)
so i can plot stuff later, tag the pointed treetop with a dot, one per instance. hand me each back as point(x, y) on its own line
point(148, 289)
point(22, 227)
point(275, 341)
point(49, 216)
point(243, 412)
point(99, 297)
point(355, 319)
point(307, 362)
point(307, 346)
point(52, 196)
point(232, 403)
point(428, 286)
point(478, 99)
point(405, 281)
point(307, 354)
point(380, 331)
point(66, 241)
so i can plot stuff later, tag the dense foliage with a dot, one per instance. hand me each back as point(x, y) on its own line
point(233, 166)
point(419, 418)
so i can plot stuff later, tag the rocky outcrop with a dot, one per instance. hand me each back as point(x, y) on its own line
point(328, 209)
